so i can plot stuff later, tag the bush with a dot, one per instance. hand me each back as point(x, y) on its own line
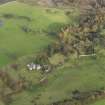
point(55, 28)
point(8, 16)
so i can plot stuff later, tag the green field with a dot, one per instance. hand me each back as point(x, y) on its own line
point(101, 102)
point(69, 77)
point(14, 42)
point(24, 31)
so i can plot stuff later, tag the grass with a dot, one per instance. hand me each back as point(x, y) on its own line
point(61, 82)
point(56, 59)
point(101, 102)
point(15, 43)
point(82, 77)
point(85, 74)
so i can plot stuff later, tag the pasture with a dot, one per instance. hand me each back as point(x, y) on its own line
point(23, 29)
point(73, 75)
point(26, 30)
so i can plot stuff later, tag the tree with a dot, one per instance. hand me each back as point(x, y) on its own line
point(42, 58)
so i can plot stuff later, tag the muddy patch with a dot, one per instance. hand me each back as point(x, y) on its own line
point(1, 23)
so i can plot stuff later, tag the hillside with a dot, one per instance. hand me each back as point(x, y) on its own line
point(5, 1)
point(51, 55)
point(59, 3)
point(51, 3)
point(23, 27)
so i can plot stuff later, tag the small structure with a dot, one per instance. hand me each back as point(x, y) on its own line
point(38, 67)
point(33, 66)
point(44, 68)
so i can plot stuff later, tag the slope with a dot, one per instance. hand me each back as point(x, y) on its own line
point(24, 29)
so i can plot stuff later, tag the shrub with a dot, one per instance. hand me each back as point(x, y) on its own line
point(8, 16)
point(55, 28)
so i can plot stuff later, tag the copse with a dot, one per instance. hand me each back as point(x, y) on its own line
point(82, 39)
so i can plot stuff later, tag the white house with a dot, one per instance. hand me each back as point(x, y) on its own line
point(38, 67)
point(33, 66)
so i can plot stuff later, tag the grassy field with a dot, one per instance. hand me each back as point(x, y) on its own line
point(101, 102)
point(71, 76)
point(23, 33)
point(65, 80)
point(14, 42)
